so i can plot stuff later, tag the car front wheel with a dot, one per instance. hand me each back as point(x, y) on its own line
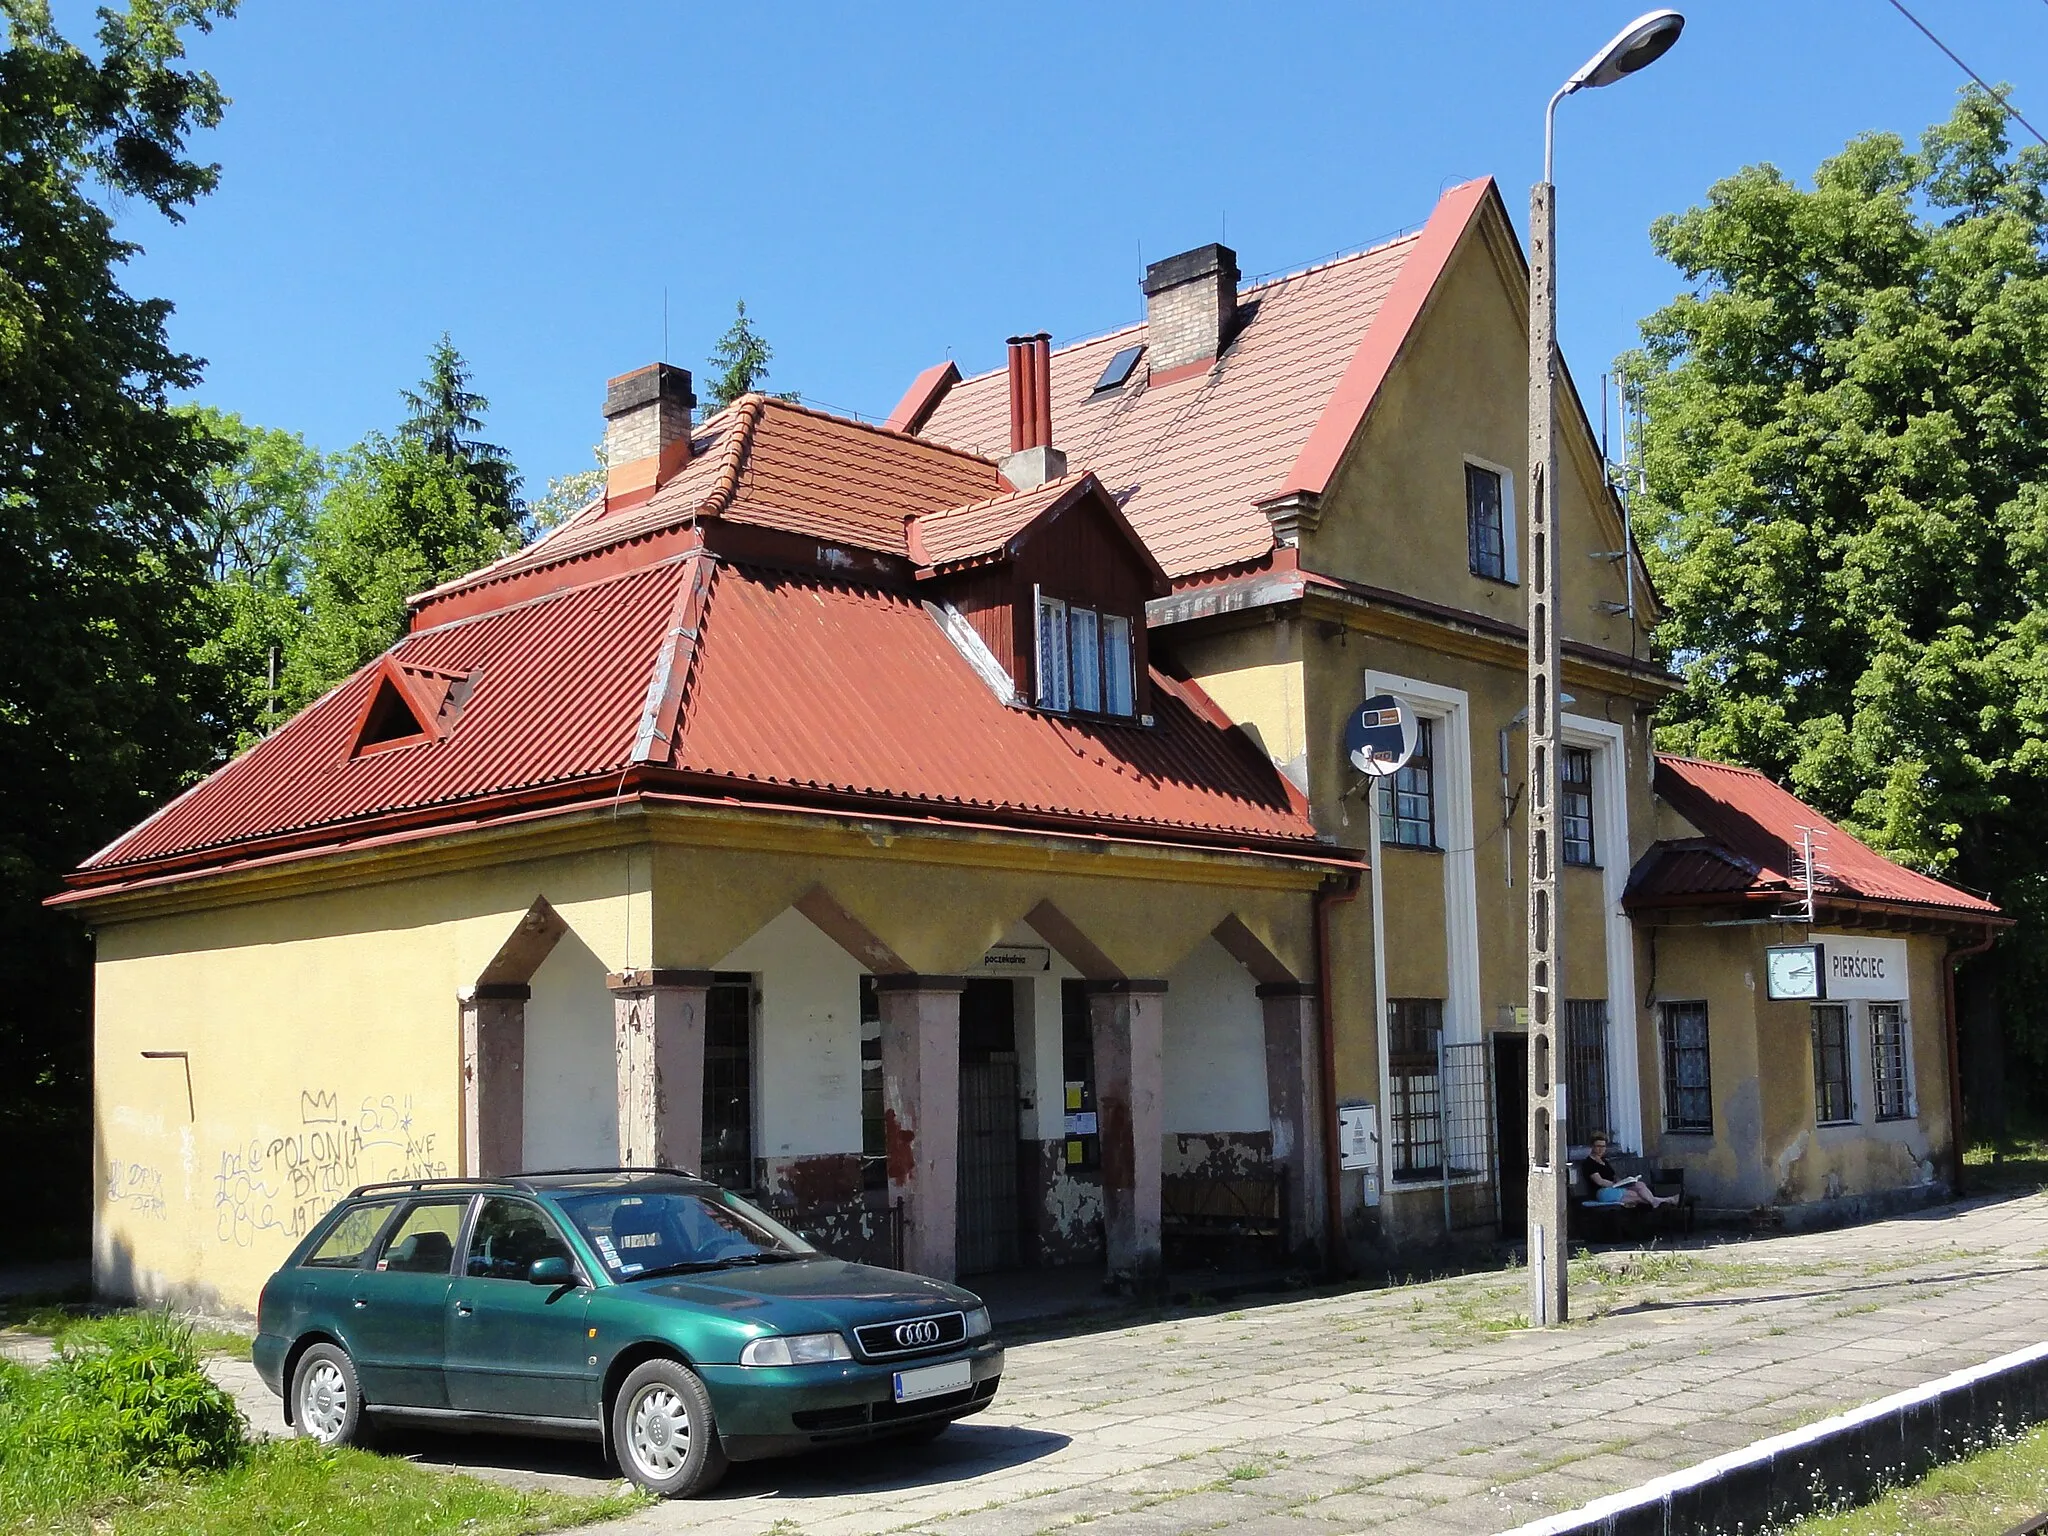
point(663, 1429)
point(327, 1399)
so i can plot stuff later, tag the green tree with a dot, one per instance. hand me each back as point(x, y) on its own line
point(253, 540)
point(104, 710)
point(740, 362)
point(1846, 457)
point(402, 514)
point(566, 495)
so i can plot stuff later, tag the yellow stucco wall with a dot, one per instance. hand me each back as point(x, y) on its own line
point(322, 1024)
point(1394, 517)
point(1765, 1148)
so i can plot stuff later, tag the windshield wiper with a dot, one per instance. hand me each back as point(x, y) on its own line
point(765, 1256)
point(685, 1267)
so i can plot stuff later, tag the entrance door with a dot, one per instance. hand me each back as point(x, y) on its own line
point(1511, 1130)
point(987, 1191)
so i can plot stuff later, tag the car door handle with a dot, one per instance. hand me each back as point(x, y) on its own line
point(360, 1301)
point(463, 1309)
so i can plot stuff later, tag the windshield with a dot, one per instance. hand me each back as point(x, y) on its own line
point(659, 1231)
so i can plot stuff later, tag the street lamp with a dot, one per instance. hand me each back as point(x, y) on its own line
point(1643, 41)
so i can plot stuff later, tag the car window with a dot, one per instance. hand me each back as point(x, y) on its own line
point(651, 1229)
point(344, 1247)
point(509, 1235)
point(423, 1242)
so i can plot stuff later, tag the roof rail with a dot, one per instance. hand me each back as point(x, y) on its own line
point(516, 1181)
point(549, 1173)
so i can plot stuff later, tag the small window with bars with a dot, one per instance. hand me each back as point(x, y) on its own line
point(1575, 801)
point(1890, 1074)
point(1688, 1072)
point(1415, 1089)
point(1585, 1057)
point(1408, 797)
point(1832, 1104)
point(1485, 524)
point(729, 1082)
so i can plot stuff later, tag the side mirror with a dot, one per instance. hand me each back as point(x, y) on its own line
point(550, 1272)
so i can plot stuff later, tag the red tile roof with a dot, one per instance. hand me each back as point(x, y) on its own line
point(1189, 461)
point(798, 690)
point(1752, 832)
point(955, 535)
point(775, 465)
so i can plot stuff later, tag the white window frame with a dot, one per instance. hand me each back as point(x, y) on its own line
point(1610, 830)
point(1127, 674)
point(1077, 652)
point(1047, 698)
point(1911, 1110)
point(1510, 532)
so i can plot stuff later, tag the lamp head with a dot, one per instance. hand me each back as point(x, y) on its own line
point(1642, 42)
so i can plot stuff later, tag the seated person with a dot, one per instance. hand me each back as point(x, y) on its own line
point(1610, 1188)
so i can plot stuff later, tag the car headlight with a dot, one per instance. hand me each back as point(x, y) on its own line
point(796, 1349)
point(978, 1325)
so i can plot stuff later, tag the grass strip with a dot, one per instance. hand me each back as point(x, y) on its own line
point(294, 1485)
point(1982, 1495)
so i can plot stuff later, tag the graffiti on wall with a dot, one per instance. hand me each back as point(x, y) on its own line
point(282, 1185)
point(137, 1186)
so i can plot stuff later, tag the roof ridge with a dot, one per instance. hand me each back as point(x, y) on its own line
point(867, 426)
point(1010, 495)
point(1262, 281)
point(692, 553)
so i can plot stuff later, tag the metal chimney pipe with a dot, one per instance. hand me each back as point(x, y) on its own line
point(1041, 363)
point(1019, 392)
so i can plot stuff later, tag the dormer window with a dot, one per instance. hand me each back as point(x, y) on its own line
point(1084, 659)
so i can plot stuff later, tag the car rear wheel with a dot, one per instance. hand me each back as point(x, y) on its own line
point(327, 1399)
point(664, 1432)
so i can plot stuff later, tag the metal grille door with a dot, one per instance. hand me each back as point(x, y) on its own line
point(988, 1164)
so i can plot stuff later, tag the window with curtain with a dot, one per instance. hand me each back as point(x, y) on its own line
point(1575, 803)
point(1085, 659)
point(1084, 638)
point(1052, 653)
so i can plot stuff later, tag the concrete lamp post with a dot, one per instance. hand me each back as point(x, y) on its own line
point(1643, 41)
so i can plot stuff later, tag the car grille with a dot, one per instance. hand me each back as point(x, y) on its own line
point(911, 1335)
point(862, 1415)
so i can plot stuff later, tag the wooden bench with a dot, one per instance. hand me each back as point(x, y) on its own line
point(1244, 1210)
point(1593, 1222)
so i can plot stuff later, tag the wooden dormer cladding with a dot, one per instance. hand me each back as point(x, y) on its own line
point(1081, 553)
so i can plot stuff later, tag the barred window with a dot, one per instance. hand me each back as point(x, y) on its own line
point(1408, 798)
point(1485, 527)
point(1889, 1062)
point(729, 1082)
point(1575, 800)
point(1688, 1074)
point(1415, 1092)
point(1831, 1101)
point(1585, 1045)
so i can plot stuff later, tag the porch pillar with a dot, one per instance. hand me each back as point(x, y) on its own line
point(658, 1046)
point(1294, 1104)
point(921, 1113)
point(1128, 1021)
point(494, 1079)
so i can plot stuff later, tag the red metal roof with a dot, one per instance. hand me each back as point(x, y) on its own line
point(772, 464)
point(1189, 461)
point(1752, 831)
point(798, 689)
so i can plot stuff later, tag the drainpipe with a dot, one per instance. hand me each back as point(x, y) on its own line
point(1955, 1072)
point(1329, 894)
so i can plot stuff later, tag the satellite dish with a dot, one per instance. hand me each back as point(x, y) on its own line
point(1380, 736)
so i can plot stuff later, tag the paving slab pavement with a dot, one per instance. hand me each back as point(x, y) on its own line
point(1425, 1408)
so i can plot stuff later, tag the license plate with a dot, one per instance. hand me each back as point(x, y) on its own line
point(933, 1381)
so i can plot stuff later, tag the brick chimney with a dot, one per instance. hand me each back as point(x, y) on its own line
point(1032, 459)
point(1190, 308)
point(646, 430)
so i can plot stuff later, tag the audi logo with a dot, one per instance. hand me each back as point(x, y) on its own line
point(911, 1335)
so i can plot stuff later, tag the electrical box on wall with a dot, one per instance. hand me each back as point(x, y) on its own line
point(1358, 1143)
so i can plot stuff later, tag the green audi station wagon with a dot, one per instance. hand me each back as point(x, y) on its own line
point(654, 1312)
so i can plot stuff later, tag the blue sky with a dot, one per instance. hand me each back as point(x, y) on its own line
point(890, 185)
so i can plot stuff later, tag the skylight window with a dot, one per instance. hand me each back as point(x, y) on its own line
point(1119, 368)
